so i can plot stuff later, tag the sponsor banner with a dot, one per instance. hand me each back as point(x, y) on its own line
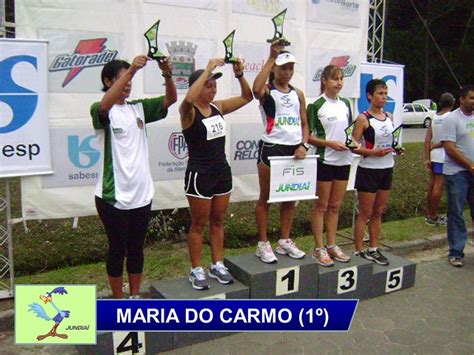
point(75, 158)
point(255, 56)
point(392, 75)
point(76, 58)
point(168, 152)
point(349, 62)
point(199, 4)
point(55, 314)
point(265, 7)
point(218, 315)
point(244, 147)
point(335, 12)
point(187, 55)
point(292, 179)
point(24, 135)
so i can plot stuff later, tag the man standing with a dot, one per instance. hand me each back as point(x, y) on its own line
point(458, 143)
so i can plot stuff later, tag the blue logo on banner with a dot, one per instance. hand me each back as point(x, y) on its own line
point(363, 102)
point(21, 101)
point(77, 148)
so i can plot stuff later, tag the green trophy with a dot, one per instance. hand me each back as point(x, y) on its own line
point(229, 48)
point(350, 143)
point(396, 139)
point(151, 36)
point(278, 22)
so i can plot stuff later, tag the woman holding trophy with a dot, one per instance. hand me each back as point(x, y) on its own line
point(208, 178)
point(328, 117)
point(286, 134)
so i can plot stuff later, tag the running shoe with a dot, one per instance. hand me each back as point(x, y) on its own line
point(198, 279)
point(219, 272)
point(442, 221)
point(337, 254)
point(288, 247)
point(456, 261)
point(322, 257)
point(135, 297)
point(376, 256)
point(265, 252)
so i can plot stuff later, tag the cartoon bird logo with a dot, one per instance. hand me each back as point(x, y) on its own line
point(41, 313)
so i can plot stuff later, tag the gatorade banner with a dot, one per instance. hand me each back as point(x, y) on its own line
point(292, 179)
point(24, 135)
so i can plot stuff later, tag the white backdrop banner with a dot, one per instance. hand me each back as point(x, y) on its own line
point(292, 179)
point(81, 42)
point(349, 12)
point(24, 134)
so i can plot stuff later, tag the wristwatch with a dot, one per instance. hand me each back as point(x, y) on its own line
point(305, 145)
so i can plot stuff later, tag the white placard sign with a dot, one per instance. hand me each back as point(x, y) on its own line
point(24, 134)
point(292, 179)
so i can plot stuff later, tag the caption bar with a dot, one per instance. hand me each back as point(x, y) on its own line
point(225, 315)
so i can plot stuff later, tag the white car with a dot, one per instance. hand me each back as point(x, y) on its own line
point(417, 114)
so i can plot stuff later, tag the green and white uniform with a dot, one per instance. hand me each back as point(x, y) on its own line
point(124, 174)
point(328, 120)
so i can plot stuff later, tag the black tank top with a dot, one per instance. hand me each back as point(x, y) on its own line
point(206, 142)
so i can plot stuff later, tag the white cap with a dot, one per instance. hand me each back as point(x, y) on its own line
point(284, 58)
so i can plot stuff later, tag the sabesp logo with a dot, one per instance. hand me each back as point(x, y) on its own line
point(177, 145)
point(17, 103)
point(78, 150)
point(342, 62)
point(88, 53)
point(363, 103)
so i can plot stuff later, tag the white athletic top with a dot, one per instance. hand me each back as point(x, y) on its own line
point(437, 155)
point(377, 135)
point(124, 174)
point(328, 120)
point(281, 117)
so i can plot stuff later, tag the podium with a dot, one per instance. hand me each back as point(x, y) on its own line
point(288, 278)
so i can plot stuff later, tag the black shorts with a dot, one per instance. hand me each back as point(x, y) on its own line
point(266, 150)
point(333, 172)
point(209, 184)
point(371, 180)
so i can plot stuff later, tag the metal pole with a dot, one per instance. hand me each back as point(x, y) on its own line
point(8, 262)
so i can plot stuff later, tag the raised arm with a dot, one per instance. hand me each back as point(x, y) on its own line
point(116, 88)
point(186, 109)
point(171, 95)
point(234, 103)
point(260, 84)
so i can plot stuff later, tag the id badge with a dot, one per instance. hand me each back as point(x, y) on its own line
point(215, 127)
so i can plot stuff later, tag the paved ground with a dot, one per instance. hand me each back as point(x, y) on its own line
point(434, 317)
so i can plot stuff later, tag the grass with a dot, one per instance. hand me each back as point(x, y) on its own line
point(168, 261)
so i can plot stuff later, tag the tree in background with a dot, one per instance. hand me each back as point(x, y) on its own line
point(407, 42)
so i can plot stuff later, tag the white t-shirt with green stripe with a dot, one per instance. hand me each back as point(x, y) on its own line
point(328, 120)
point(124, 171)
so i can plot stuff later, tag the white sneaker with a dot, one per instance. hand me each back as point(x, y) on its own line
point(288, 247)
point(265, 253)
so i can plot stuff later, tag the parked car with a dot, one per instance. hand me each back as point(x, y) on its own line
point(417, 114)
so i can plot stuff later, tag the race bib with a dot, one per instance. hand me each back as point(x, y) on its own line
point(215, 127)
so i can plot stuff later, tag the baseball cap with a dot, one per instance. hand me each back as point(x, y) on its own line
point(197, 73)
point(284, 58)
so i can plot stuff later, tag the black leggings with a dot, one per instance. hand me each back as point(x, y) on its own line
point(126, 231)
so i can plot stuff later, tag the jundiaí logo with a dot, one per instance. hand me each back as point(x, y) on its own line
point(88, 53)
point(79, 149)
point(17, 103)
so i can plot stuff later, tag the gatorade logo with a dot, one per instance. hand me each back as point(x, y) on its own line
point(81, 153)
point(17, 103)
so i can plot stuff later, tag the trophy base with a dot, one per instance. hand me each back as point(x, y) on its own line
point(280, 40)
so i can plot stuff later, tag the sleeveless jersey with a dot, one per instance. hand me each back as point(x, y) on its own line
point(437, 155)
point(377, 135)
point(206, 142)
point(281, 117)
point(328, 119)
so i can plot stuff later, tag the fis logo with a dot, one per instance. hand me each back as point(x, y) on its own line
point(78, 150)
point(17, 103)
point(363, 102)
point(342, 62)
point(88, 53)
point(292, 170)
point(177, 145)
